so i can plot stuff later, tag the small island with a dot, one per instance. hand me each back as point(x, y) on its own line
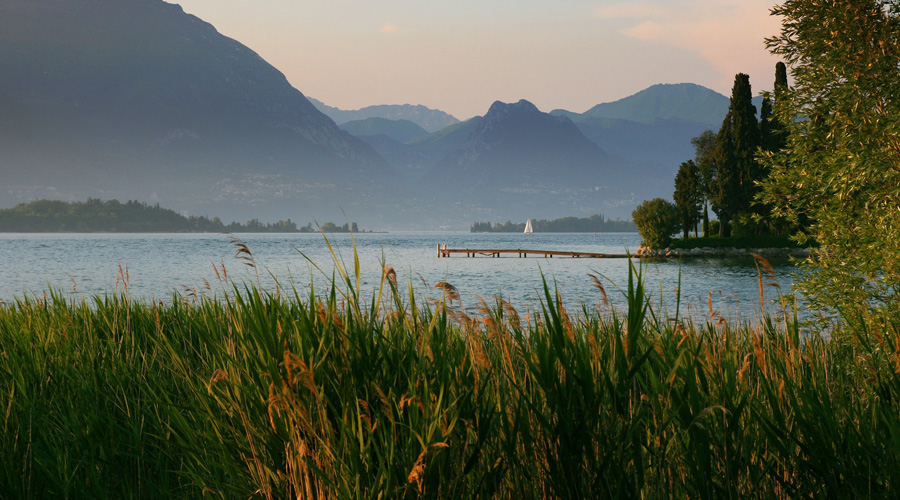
point(112, 216)
point(593, 224)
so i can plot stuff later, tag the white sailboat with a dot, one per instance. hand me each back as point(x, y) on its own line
point(528, 228)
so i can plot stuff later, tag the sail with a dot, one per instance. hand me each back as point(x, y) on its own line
point(528, 228)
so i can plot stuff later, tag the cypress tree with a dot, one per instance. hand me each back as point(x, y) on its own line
point(773, 138)
point(736, 165)
point(780, 135)
point(727, 180)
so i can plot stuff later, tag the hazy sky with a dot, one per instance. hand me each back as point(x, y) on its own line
point(461, 55)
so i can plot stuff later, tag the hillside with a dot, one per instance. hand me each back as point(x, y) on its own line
point(398, 130)
point(654, 126)
point(685, 102)
point(138, 100)
point(518, 159)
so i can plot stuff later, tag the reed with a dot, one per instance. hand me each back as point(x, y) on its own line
point(252, 393)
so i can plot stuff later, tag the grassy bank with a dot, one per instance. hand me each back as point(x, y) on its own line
point(330, 395)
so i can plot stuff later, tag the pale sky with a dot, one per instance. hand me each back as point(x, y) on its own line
point(459, 56)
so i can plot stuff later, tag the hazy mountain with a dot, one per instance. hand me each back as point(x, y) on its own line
point(414, 158)
point(655, 125)
point(398, 130)
point(519, 161)
point(431, 120)
point(446, 141)
point(136, 99)
point(665, 143)
point(680, 102)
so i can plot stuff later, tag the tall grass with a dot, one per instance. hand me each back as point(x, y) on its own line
point(327, 394)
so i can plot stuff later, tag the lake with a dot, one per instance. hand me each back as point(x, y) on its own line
point(159, 265)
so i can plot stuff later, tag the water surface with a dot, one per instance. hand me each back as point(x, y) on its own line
point(159, 265)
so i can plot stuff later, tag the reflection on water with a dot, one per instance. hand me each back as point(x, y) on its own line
point(160, 264)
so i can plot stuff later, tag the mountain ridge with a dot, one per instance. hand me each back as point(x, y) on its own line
point(518, 158)
point(139, 100)
point(432, 120)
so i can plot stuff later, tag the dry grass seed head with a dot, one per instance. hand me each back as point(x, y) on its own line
point(760, 355)
point(449, 291)
point(390, 275)
point(512, 315)
point(599, 286)
point(417, 473)
point(276, 404)
point(384, 399)
point(243, 252)
point(217, 375)
point(407, 400)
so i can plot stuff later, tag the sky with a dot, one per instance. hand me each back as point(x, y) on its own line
point(460, 56)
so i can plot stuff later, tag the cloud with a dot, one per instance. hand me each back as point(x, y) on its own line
point(630, 10)
point(389, 29)
point(727, 34)
point(647, 30)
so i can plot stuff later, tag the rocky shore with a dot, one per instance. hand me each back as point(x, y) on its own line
point(724, 252)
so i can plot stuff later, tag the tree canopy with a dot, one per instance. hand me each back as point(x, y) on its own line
point(840, 167)
point(688, 196)
point(115, 217)
point(657, 221)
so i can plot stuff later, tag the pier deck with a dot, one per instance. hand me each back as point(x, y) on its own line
point(523, 253)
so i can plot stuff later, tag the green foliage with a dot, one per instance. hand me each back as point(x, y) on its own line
point(113, 216)
point(254, 394)
point(688, 195)
point(705, 158)
point(657, 220)
point(593, 224)
point(839, 168)
point(736, 145)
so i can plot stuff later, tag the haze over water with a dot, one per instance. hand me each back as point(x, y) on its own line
point(159, 265)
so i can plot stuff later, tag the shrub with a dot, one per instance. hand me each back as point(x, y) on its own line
point(657, 221)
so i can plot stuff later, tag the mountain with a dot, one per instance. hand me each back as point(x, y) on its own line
point(138, 100)
point(664, 143)
point(519, 161)
point(680, 102)
point(654, 126)
point(417, 156)
point(398, 130)
point(431, 120)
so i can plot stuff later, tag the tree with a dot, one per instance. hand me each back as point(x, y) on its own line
point(657, 221)
point(688, 196)
point(841, 163)
point(705, 158)
point(772, 138)
point(736, 167)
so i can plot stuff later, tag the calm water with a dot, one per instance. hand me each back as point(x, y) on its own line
point(159, 265)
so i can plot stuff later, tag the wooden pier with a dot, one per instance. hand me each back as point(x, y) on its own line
point(444, 252)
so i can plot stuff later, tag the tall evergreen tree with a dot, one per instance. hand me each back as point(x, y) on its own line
point(705, 158)
point(736, 165)
point(773, 138)
point(688, 196)
point(727, 183)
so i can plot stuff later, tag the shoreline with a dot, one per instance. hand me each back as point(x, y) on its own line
point(721, 252)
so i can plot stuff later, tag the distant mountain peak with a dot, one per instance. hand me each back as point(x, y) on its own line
point(666, 101)
point(429, 119)
point(522, 106)
point(519, 116)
